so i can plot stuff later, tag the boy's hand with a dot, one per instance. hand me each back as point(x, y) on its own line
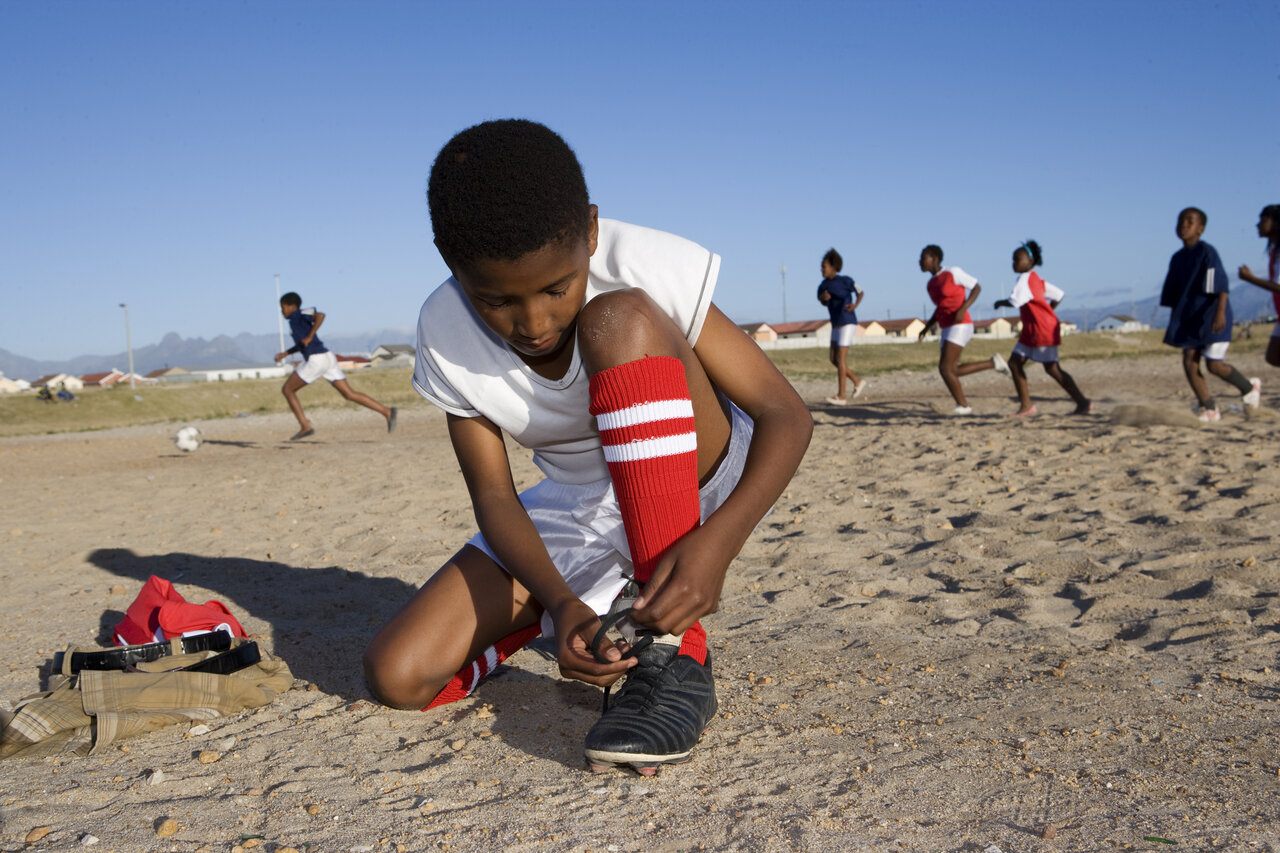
point(576, 626)
point(686, 583)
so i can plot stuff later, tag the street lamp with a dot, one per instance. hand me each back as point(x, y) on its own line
point(279, 316)
point(783, 270)
point(128, 342)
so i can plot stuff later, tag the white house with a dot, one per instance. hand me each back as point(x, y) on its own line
point(1120, 323)
point(257, 371)
point(393, 355)
point(13, 386)
point(54, 381)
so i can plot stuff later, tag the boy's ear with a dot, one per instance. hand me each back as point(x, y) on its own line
point(593, 229)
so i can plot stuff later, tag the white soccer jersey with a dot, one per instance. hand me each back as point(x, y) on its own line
point(1022, 292)
point(467, 370)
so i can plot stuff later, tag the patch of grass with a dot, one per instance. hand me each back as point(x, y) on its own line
point(105, 408)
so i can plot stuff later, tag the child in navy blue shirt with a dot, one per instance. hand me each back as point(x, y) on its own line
point(1195, 288)
point(842, 296)
point(319, 362)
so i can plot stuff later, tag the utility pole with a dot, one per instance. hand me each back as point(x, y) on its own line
point(128, 342)
point(783, 270)
point(279, 316)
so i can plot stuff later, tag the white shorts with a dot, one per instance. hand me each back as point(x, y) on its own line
point(581, 525)
point(1044, 355)
point(322, 364)
point(1213, 352)
point(842, 336)
point(960, 334)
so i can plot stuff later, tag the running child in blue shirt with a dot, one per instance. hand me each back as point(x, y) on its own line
point(1195, 289)
point(303, 325)
point(842, 296)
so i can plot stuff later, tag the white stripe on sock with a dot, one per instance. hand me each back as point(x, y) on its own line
point(651, 448)
point(662, 410)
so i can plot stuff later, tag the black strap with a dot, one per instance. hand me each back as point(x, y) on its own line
point(130, 656)
point(243, 655)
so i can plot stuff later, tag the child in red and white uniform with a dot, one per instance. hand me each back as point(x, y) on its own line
point(665, 435)
point(953, 290)
point(1035, 300)
point(1269, 229)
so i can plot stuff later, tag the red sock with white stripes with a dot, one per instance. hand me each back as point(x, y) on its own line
point(645, 417)
point(461, 685)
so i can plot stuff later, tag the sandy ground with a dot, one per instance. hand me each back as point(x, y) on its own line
point(1053, 634)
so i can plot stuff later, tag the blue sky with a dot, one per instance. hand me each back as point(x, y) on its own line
point(177, 155)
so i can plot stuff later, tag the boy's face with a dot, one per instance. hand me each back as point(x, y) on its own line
point(532, 303)
point(928, 263)
point(828, 271)
point(287, 310)
point(1190, 228)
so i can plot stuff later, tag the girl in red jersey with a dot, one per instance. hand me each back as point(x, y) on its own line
point(1269, 229)
point(1035, 300)
point(953, 290)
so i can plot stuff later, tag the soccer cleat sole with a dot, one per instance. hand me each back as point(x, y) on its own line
point(645, 765)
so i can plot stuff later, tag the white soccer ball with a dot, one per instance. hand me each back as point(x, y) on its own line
point(187, 439)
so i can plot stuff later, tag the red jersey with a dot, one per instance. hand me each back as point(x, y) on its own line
point(948, 290)
point(1031, 296)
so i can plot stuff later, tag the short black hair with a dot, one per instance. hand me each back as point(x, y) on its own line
point(1204, 217)
point(933, 249)
point(1272, 212)
point(1032, 248)
point(833, 257)
point(505, 188)
point(291, 298)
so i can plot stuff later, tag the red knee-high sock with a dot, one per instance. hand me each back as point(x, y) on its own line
point(645, 417)
point(461, 685)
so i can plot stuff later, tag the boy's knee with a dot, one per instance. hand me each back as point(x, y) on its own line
point(394, 681)
point(622, 320)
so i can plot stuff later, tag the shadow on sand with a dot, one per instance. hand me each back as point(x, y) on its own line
point(320, 618)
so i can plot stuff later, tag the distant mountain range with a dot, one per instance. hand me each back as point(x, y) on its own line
point(176, 351)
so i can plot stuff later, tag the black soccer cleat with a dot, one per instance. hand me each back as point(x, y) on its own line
point(657, 715)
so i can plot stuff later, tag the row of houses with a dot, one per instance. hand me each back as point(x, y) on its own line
point(387, 356)
point(818, 332)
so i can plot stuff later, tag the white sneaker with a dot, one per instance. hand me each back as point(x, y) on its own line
point(964, 410)
point(1209, 416)
point(1254, 398)
point(1001, 366)
point(862, 386)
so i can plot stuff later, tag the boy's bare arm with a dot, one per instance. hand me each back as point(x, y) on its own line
point(687, 581)
point(507, 528)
